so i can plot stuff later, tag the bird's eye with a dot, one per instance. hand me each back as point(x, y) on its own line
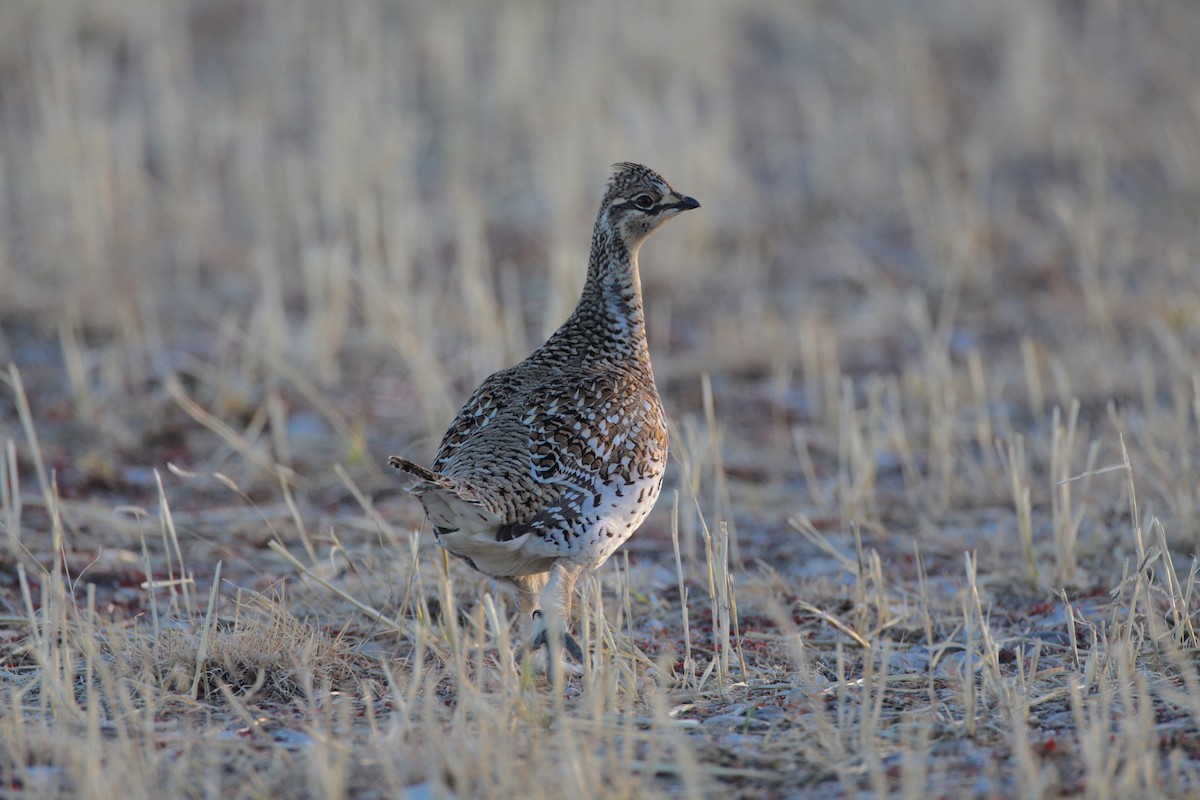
point(644, 201)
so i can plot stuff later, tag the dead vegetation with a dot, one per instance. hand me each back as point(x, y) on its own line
point(930, 356)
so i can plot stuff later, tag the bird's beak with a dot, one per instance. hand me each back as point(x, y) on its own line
point(687, 203)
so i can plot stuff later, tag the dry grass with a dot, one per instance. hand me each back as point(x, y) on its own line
point(930, 350)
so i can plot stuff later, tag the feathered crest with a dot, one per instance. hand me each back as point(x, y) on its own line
point(628, 177)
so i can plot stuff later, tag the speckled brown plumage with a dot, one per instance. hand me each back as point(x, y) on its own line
point(553, 463)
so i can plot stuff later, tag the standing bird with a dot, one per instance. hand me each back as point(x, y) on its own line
point(553, 463)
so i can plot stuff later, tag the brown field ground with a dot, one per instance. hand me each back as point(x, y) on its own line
point(931, 351)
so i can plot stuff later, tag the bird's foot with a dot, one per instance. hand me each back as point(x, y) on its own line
point(540, 642)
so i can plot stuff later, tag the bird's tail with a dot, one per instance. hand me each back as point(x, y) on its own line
point(434, 481)
point(412, 468)
point(450, 503)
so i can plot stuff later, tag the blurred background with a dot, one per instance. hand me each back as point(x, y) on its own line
point(930, 350)
point(235, 235)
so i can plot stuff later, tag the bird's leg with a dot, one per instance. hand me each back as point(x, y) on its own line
point(529, 589)
point(557, 596)
point(551, 607)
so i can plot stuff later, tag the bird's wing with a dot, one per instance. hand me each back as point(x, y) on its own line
point(582, 436)
point(536, 453)
point(491, 400)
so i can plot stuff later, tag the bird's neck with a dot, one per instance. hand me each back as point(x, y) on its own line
point(609, 322)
